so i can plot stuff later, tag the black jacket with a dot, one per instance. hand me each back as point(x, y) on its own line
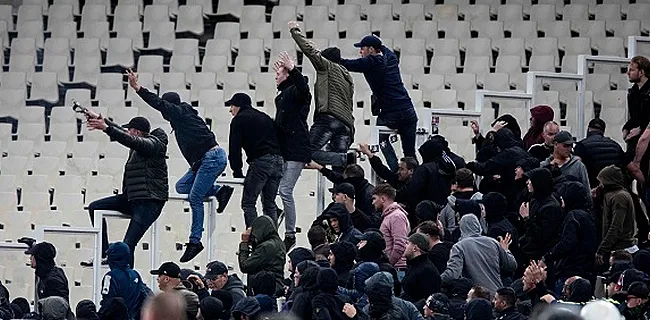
point(509, 314)
point(253, 131)
point(431, 180)
point(192, 134)
point(598, 152)
point(540, 151)
point(53, 282)
point(360, 220)
point(327, 305)
point(347, 232)
point(421, 280)
point(292, 109)
point(145, 172)
point(362, 189)
point(386, 173)
point(545, 216)
point(308, 286)
point(638, 107)
point(439, 255)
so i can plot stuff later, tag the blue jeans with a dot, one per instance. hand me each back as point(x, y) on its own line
point(143, 214)
point(201, 184)
point(405, 122)
point(290, 174)
point(263, 177)
point(327, 130)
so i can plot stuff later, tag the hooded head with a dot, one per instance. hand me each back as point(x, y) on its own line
point(328, 280)
point(172, 97)
point(580, 291)
point(44, 254)
point(332, 54)
point(469, 226)
point(55, 308)
point(309, 279)
point(511, 124)
point(611, 177)
point(431, 150)
point(344, 253)
point(114, 309)
point(465, 206)
point(86, 310)
point(362, 273)
point(642, 260)
point(298, 255)
point(372, 246)
point(23, 304)
point(379, 290)
point(225, 297)
point(263, 229)
point(575, 196)
point(495, 205)
point(428, 210)
point(301, 267)
point(505, 139)
point(441, 141)
point(342, 216)
point(478, 309)
point(119, 256)
point(266, 303)
point(248, 306)
point(542, 182)
point(211, 308)
point(540, 115)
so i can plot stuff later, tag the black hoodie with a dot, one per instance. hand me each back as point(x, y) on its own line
point(485, 146)
point(292, 109)
point(327, 305)
point(498, 225)
point(51, 279)
point(344, 254)
point(308, 286)
point(362, 189)
point(347, 231)
point(545, 216)
point(573, 254)
point(373, 251)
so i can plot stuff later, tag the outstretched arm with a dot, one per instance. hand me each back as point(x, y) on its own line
point(147, 145)
point(307, 47)
point(167, 109)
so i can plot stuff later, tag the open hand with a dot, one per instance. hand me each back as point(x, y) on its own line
point(475, 127)
point(196, 280)
point(313, 165)
point(133, 80)
point(287, 60)
point(505, 242)
point(97, 123)
point(365, 149)
point(499, 125)
point(349, 310)
point(293, 25)
point(524, 210)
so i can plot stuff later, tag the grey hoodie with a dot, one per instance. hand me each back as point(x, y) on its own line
point(474, 255)
point(574, 168)
point(448, 214)
point(55, 308)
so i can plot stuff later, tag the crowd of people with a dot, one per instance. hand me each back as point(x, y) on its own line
point(537, 226)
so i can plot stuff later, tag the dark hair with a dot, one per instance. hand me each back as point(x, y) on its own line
point(621, 255)
point(464, 178)
point(316, 236)
point(353, 171)
point(411, 162)
point(429, 228)
point(643, 64)
point(481, 293)
point(23, 304)
point(385, 189)
point(508, 295)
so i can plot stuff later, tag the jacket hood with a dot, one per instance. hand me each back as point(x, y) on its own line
point(575, 196)
point(512, 124)
point(581, 290)
point(428, 210)
point(298, 255)
point(374, 248)
point(611, 176)
point(495, 205)
point(161, 135)
point(114, 309)
point(344, 253)
point(505, 139)
point(362, 273)
point(119, 256)
point(378, 281)
point(542, 114)
point(430, 150)
point(233, 283)
point(327, 280)
point(172, 97)
point(380, 294)
point(469, 226)
point(309, 279)
point(86, 310)
point(542, 182)
point(301, 267)
point(55, 308)
point(44, 254)
point(478, 309)
point(642, 261)
point(266, 303)
point(263, 229)
point(463, 207)
point(338, 210)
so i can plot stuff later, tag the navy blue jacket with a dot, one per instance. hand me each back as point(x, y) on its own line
point(383, 76)
point(122, 281)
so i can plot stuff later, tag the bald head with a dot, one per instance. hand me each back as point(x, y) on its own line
point(551, 128)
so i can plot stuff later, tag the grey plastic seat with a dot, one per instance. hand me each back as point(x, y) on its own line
point(154, 15)
point(187, 47)
point(608, 12)
point(251, 14)
point(13, 80)
point(476, 12)
point(542, 12)
point(230, 7)
point(23, 63)
point(427, 30)
point(151, 64)
point(380, 12)
point(624, 28)
point(230, 31)
point(510, 12)
point(218, 65)
point(444, 12)
point(445, 47)
point(120, 53)
point(57, 65)
point(184, 64)
point(346, 15)
point(131, 30)
point(57, 47)
point(481, 47)
point(59, 13)
point(358, 30)
point(190, 19)
point(32, 29)
point(443, 65)
point(409, 13)
point(98, 30)
point(162, 37)
point(281, 15)
point(555, 29)
point(521, 29)
point(588, 28)
point(488, 29)
point(91, 14)
point(571, 12)
point(86, 70)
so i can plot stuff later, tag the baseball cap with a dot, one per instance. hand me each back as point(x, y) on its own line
point(139, 123)
point(344, 188)
point(369, 41)
point(214, 269)
point(563, 137)
point(597, 124)
point(638, 289)
point(169, 269)
point(370, 236)
point(239, 99)
point(43, 250)
point(421, 241)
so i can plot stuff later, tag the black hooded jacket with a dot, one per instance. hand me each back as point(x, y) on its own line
point(421, 280)
point(362, 189)
point(292, 109)
point(485, 146)
point(344, 254)
point(431, 180)
point(192, 134)
point(51, 279)
point(373, 251)
point(580, 291)
point(308, 285)
point(253, 131)
point(498, 225)
point(545, 216)
point(327, 305)
point(348, 232)
point(573, 254)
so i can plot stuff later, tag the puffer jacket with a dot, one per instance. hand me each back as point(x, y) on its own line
point(122, 281)
point(145, 172)
point(292, 109)
point(264, 252)
point(598, 152)
point(395, 227)
point(619, 224)
point(334, 86)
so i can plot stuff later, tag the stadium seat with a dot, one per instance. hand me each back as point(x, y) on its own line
point(543, 12)
point(31, 114)
point(250, 15)
point(111, 98)
point(59, 13)
point(162, 37)
point(488, 29)
point(477, 47)
point(203, 81)
point(173, 81)
point(154, 15)
point(229, 31)
point(45, 87)
point(24, 64)
point(250, 64)
point(608, 12)
point(190, 19)
point(455, 29)
point(13, 80)
point(409, 13)
point(510, 12)
point(184, 64)
point(281, 15)
point(443, 65)
point(476, 12)
point(571, 12)
point(521, 29)
point(151, 64)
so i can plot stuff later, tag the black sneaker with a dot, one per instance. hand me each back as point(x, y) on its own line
point(351, 158)
point(223, 196)
point(191, 250)
point(90, 262)
point(289, 241)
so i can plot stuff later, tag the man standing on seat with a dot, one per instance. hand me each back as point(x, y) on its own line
point(199, 146)
point(391, 102)
point(144, 185)
point(292, 109)
point(333, 120)
point(254, 131)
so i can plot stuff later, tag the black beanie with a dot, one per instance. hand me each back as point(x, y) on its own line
point(172, 97)
point(211, 308)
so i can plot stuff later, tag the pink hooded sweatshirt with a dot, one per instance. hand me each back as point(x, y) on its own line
point(395, 228)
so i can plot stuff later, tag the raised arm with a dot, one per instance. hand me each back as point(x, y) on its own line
point(307, 47)
point(358, 65)
point(167, 109)
point(147, 145)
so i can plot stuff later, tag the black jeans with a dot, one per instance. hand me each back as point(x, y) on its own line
point(263, 177)
point(330, 131)
point(143, 214)
point(405, 122)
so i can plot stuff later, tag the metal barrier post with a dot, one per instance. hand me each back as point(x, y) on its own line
point(506, 95)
